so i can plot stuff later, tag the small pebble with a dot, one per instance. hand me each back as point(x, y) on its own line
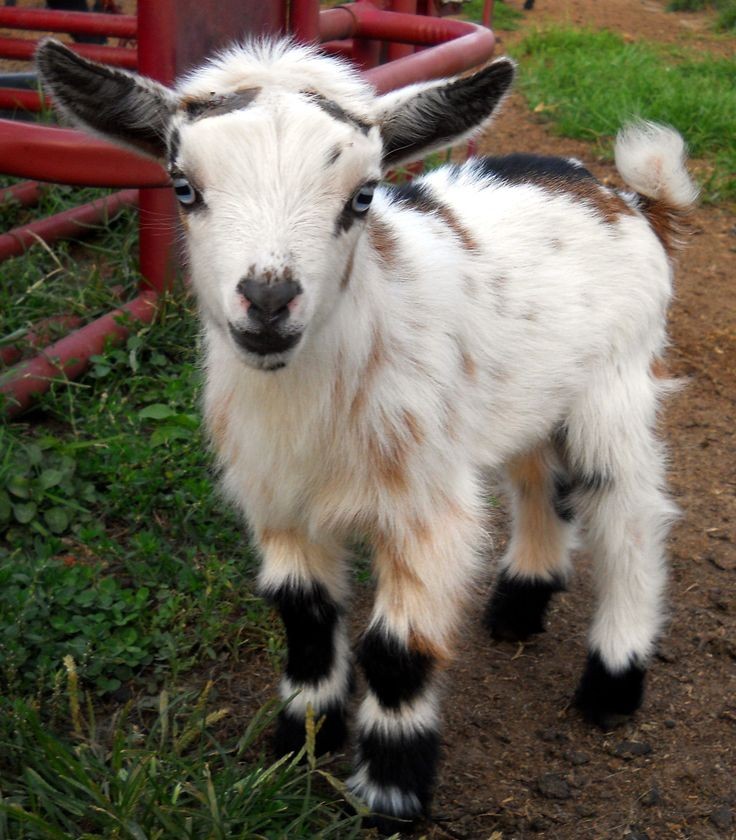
point(651, 797)
point(670, 724)
point(553, 786)
point(577, 758)
point(636, 833)
point(630, 749)
point(722, 818)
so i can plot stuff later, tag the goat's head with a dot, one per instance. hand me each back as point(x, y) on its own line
point(274, 151)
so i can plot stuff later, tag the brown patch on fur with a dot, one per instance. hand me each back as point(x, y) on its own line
point(383, 241)
point(538, 530)
point(376, 358)
point(415, 430)
point(389, 461)
point(200, 107)
point(348, 271)
point(428, 647)
point(217, 422)
point(659, 369)
point(607, 204)
point(470, 369)
point(460, 231)
point(665, 221)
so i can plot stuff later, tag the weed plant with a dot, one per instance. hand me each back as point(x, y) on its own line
point(160, 773)
point(590, 83)
point(726, 9)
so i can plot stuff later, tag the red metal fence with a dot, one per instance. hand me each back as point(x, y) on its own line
point(171, 36)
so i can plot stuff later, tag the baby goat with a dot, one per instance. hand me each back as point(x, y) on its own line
point(371, 348)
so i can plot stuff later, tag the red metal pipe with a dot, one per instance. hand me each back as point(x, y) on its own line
point(16, 98)
point(38, 336)
point(73, 222)
point(70, 157)
point(78, 23)
point(69, 356)
point(24, 50)
point(396, 50)
point(157, 41)
point(157, 221)
point(25, 194)
point(304, 23)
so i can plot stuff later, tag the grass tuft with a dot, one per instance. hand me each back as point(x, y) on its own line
point(726, 18)
point(163, 774)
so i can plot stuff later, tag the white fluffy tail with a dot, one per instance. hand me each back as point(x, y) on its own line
point(651, 160)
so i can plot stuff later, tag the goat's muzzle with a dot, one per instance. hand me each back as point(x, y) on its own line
point(267, 330)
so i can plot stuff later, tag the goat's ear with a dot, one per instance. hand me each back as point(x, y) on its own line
point(421, 119)
point(126, 109)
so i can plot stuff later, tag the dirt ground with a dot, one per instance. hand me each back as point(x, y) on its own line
point(518, 762)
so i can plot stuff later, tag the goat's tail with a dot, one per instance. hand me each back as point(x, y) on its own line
point(651, 160)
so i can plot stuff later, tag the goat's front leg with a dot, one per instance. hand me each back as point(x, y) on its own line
point(306, 582)
point(424, 577)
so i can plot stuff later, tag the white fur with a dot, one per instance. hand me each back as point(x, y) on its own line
point(651, 159)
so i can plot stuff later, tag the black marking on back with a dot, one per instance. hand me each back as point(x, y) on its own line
point(522, 168)
point(415, 195)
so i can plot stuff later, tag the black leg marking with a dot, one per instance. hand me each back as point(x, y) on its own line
point(607, 699)
point(397, 775)
point(394, 673)
point(517, 607)
point(309, 616)
point(291, 733)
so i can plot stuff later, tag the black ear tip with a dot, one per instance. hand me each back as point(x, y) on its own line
point(49, 50)
point(502, 68)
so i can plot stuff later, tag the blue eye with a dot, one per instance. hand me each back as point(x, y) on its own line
point(362, 198)
point(185, 192)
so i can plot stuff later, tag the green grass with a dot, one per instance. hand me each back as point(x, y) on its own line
point(504, 17)
point(725, 19)
point(589, 83)
point(160, 773)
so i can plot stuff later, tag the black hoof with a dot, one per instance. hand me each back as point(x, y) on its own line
point(517, 607)
point(291, 732)
point(608, 699)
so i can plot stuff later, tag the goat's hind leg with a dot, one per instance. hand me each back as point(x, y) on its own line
point(305, 581)
point(625, 514)
point(537, 563)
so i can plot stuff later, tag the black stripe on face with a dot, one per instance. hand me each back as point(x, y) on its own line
point(213, 106)
point(395, 674)
point(174, 143)
point(337, 112)
point(310, 617)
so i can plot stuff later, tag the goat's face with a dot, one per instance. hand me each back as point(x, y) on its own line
point(273, 169)
point(273, 196)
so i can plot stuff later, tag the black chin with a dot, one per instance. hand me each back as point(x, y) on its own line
point(265, 342)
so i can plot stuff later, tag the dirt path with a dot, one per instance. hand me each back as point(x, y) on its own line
point(517, 758)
